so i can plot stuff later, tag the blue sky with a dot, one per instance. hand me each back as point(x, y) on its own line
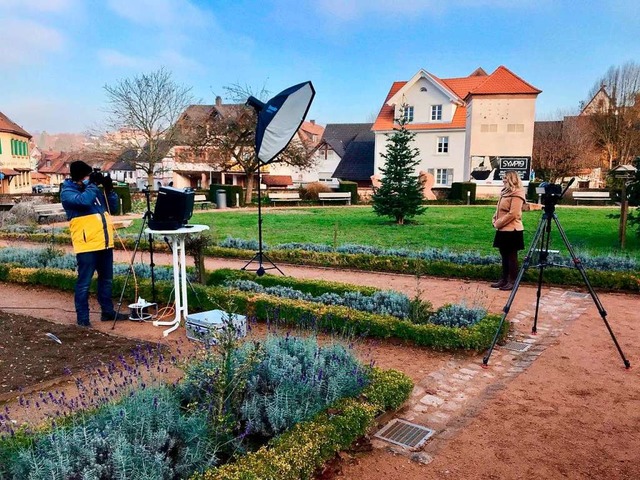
point(56, 55)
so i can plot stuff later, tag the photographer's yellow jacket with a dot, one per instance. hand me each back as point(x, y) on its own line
point(90, 222)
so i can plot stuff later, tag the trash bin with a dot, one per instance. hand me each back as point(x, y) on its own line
point(221, 198)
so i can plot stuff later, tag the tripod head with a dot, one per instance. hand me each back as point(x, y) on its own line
point(147, 194)
point(552, 193)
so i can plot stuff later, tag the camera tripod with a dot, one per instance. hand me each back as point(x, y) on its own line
point(540, 244)
point(145, 219)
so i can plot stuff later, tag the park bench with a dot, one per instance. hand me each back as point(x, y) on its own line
point(202, 200)
point(47, 210)
point(284, 197)
point(591, 196)
point(334, 197)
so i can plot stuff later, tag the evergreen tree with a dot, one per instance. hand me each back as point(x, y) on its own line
point(400, 194)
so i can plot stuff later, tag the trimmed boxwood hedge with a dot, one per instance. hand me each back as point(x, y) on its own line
point(618, 281)
point(295, 313)
point(297, 453)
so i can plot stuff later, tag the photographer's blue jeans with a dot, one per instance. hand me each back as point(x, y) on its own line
point(88, 263)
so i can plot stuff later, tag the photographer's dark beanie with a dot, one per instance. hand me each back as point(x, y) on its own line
point(79, 170)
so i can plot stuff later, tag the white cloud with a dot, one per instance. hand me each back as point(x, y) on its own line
point(171, 59)
point(48, 6)
point(26, 41)
point(163, 13)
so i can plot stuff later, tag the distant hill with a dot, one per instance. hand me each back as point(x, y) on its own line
point(61, 142)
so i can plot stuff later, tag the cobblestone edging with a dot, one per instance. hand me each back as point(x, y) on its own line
point(447, 399)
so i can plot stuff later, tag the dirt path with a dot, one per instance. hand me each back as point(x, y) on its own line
point(564, 408)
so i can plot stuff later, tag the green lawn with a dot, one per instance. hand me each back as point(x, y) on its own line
point(457, 228)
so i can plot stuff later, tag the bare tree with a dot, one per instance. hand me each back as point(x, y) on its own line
point(144, 109)
point(228, 139)
point(561, 148)
point(615, 117)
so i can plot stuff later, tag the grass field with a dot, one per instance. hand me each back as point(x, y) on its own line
point(458, 228)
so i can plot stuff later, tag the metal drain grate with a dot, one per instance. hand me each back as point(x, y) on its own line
point(576, 294)
point(517, 346)
point(404, 433)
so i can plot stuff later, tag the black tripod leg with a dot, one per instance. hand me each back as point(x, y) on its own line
point(543, 258)
point(129, 270)
point(516, 285)
point(274, 266)
point(594, 296)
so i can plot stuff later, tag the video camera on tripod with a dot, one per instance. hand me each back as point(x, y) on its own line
point(551, 193)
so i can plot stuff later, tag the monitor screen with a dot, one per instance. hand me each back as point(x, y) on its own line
point(173, 210)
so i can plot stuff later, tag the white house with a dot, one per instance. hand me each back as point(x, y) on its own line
point(469, 128)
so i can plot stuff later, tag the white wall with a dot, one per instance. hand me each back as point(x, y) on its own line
point(426, 143)
point(423, 100)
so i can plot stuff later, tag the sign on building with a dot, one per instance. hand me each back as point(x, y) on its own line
point(491, 170)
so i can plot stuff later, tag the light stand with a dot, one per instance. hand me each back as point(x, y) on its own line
point(145, 218)
point(540, 243)
point(278, 121)
point(260, 255)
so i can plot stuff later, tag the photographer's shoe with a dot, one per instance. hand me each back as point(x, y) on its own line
point(110, 317)
point(500, 283)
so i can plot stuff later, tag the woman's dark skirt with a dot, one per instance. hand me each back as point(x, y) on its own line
point(509, 240)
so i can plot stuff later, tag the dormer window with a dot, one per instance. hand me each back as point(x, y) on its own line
point(407, 113)
point(436, 113)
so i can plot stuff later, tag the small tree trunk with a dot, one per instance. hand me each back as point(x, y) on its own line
point(249, 192)
point(150, 180)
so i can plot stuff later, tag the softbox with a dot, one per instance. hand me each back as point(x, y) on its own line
point(280, 118)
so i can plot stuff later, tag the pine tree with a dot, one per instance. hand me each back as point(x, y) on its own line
point(400, 193)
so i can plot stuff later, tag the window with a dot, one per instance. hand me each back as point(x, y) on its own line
point(443, 145)
point(443, 176)
point(407, 113)
point(436, 112)
point(515, 128)
point(489, 128)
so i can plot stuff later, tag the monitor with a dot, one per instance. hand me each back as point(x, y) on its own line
point(173, 209)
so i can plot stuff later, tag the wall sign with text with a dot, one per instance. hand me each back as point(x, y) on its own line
point(491, 170)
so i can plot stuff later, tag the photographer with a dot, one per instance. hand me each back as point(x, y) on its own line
point(509, 236)
point(88, 210)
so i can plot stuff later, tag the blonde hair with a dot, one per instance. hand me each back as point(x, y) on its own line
point(513, 181)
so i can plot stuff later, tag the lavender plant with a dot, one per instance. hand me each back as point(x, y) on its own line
point(457, 316)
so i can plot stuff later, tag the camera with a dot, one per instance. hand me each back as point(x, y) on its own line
point(549, 190)
point(96, 177)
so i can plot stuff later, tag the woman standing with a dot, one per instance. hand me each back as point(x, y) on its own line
point(509, 229)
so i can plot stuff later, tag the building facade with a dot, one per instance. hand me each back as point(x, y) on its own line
point(15, 160)
point(472, 128)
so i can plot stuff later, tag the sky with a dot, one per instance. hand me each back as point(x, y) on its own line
point(56, 56)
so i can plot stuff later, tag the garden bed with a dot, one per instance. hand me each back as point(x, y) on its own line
point(29, 357)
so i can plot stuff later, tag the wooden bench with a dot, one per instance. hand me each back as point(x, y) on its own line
point(334, 197)
point(47, 210)
point(201, 199)
point(284, 197)
point(591, 196)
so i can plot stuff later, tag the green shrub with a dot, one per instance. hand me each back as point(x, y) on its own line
point(125, 198)
point(346, 186)
point(234, 193)
point(459, 192)
point(296, 454)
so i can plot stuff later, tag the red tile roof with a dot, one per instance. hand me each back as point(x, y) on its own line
point(7, 125)
point(501, 81)
point(277, 180)
point(58, 163)
point(504, 81)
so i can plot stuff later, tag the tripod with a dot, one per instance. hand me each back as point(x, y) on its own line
point(260, 255)
point(145, 219)
point(540, 244)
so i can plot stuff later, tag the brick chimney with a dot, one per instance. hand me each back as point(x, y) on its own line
point(218, 101)
point(312, 122)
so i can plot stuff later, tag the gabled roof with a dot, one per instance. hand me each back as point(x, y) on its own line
point(58, 163)
point(501, 82)
point(9, 126)
point(504, 82)
point(600, 100)
point(396, 97)
point(357, 162)
point(339, 135)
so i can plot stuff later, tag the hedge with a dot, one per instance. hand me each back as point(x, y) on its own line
point(294, 313)
point(618, 281)
point(352, 187)
point(459, 192)
point(297, 453)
